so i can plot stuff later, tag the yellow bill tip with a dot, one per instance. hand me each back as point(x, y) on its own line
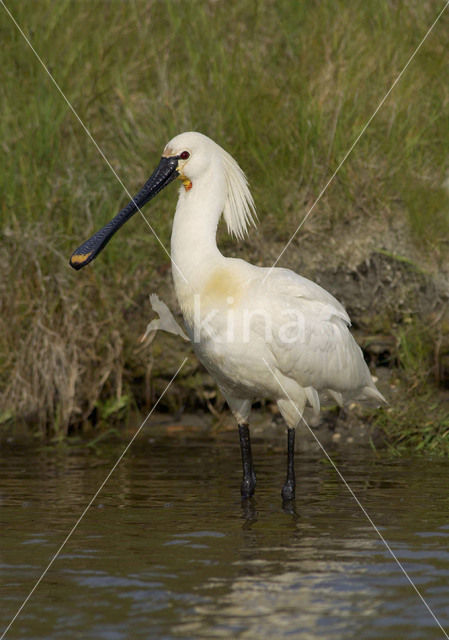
point(80, 258)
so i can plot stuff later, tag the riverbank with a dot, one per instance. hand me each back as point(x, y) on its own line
point(285, 90)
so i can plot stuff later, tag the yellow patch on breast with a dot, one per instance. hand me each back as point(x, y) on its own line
point(223, 287)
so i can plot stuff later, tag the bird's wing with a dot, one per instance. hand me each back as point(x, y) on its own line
point(285, 282)
point(311, 342)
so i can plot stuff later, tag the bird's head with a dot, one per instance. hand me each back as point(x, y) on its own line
point(184, 157)
point(188, 156)
point(195, 153)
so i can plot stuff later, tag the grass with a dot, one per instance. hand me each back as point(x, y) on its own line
point(418, 422)
point(284, 86)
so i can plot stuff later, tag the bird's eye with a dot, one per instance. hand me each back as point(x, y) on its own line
point(184, 155)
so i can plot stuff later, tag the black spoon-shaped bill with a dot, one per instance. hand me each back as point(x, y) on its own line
point(165, 173)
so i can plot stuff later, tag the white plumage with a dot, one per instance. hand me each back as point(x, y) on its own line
point(228, 304)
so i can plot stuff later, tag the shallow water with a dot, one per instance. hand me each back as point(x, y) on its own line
point(169, 551)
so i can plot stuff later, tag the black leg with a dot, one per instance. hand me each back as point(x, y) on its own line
point(288, 490)
point(249, 477)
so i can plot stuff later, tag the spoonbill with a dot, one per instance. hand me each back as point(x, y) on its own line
point(260, 332)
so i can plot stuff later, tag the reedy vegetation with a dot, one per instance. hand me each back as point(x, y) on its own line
point(285, 87)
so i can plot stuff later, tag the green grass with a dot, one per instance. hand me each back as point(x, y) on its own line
point(284, 86)
point(418, 421)
point(418, 417)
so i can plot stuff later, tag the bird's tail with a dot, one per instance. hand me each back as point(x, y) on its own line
point(374, 393)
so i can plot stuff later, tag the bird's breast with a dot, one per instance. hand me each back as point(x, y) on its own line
point(222, 288)
point(212, 295)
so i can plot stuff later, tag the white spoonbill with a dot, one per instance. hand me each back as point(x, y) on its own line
point(260, 332)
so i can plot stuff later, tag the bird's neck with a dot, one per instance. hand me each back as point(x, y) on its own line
point(194, 250)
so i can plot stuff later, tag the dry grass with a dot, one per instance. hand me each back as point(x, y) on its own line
point(59, 361)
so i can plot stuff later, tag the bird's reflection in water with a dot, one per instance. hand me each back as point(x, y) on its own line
point(249, 512)
point(289, 507)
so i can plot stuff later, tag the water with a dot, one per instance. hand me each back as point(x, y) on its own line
point(169, 551)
